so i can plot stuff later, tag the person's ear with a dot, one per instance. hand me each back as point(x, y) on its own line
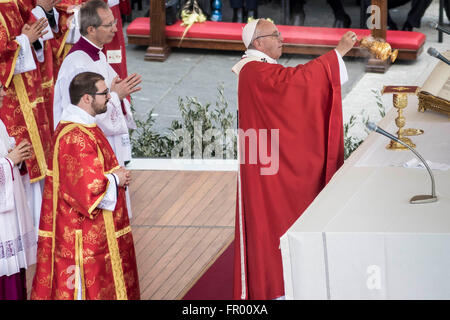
point(86, 98)
point(90, 30)
point(257, 44)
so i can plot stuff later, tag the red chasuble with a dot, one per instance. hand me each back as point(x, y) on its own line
point(61, 48)
point(45, 67)
point(23, 111)
point(304, 104)
point(79, 244)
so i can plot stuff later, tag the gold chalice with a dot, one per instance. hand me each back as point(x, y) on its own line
point(400, 101)
point(379, 48)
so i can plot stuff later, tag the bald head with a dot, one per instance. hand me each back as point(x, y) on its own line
point(267, 39)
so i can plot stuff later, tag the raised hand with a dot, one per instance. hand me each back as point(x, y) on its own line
point(124, 87)
point(346, 43)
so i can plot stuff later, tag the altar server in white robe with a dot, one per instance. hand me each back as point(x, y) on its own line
point(97, 28)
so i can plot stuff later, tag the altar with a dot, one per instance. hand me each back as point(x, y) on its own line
point(361, 238)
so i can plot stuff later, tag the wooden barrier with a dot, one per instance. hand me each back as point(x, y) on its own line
point(160, 38)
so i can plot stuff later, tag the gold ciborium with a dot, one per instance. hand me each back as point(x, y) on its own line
point(379, 48)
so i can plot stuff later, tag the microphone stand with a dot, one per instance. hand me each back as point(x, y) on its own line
point(422, 198)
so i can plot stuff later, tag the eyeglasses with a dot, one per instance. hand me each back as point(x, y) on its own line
point(104, 93)
point(275, 34)
point(109, 25)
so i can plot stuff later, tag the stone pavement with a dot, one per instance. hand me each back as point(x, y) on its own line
point(198, 73)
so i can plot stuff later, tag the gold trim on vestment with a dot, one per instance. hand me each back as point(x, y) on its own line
point(84, 125)
point(67, 48)
point(97, 202)
point(16, 54)
point(102, 160)
point(79, 268)
point(27, 110)
point(123, 232)
point(47, 84)
point(112, 170)
point(63, 43)
point(100, 156)
point(13, 66)
point(116, 261)
point(3, 22)
point(45, 234)
point(55, 189)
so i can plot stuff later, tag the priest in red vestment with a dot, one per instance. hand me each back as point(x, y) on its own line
point(290, 145)
point(50, 45)
point(85, 247)
point(23, 111)
point(24, 106)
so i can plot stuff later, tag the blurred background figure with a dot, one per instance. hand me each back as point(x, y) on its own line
point(447, 8)
point(341, 18)
point(242, 10)
point(415, 14)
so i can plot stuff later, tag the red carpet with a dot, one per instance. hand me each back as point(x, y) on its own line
point(217, 282)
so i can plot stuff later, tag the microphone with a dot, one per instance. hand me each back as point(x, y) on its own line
point(433, 52)
point(423, 198)
point(436, 26)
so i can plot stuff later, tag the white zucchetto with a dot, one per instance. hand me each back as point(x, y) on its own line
point(248, 31)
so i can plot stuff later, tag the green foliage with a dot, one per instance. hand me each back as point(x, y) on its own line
point(206, 128)
point(147, 143)
point(199, 132)
point(381, 108)
point(351, 143)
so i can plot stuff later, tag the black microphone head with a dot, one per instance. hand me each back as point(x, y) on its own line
point(433, 52)
point(371, 126)
point(433, 25)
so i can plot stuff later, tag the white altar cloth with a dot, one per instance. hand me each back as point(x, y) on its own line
point(362, 239)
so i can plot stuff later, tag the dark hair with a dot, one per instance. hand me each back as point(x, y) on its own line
point(89, 15)
point(83, 83)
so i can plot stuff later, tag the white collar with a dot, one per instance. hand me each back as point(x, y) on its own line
point(75, 114)
point(256, 53)
point(91, 43)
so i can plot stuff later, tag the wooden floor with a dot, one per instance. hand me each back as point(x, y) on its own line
point(182, 221)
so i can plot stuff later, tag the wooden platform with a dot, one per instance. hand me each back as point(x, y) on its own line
point(182, 221)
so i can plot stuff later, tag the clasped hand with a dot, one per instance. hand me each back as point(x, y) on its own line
point(36, 30)
point(21, 152)
point(124, 176)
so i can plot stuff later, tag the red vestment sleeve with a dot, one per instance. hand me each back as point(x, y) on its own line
point(81, 177)
point(9, 49)
point(292, 116)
